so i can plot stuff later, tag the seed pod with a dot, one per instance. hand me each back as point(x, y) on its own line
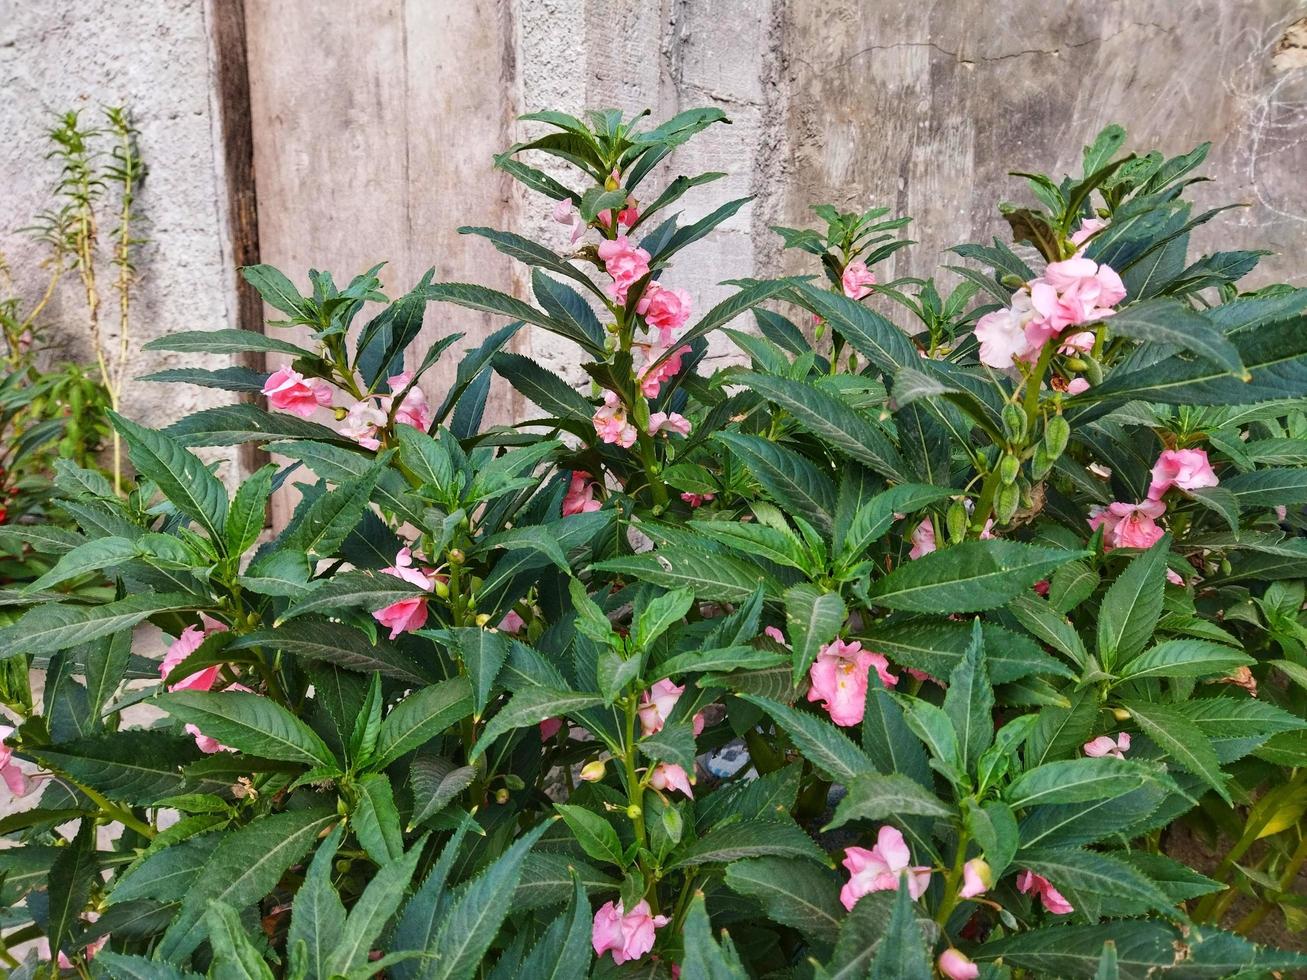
point(1014, 422)
point(593, 771)
point(1093, 370)
point(1009, 499)
point(957, 521)
point(1008, 468)
point(1077, 364)
point(1056, 435)
point(1040, 463)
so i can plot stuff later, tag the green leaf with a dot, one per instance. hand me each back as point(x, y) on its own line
point(234, 956)
point(968, 577)
point(1130, 609)
point(902, 953)
point(748, 838)
point(233, 425)
point(713, 576)
point(371, 590)
point(969, 701)
point(241, 870)
point(938, 646)
point(435, 783)
point(1076, 781)
point(182, 477)
point(134, 766)
point(720, 659)
point(1272, 487)
point(792, 481)
point(1143, 948)
point(277, 291)
point(249, 510)
point(335, 643)
point(660, 614)
point(1185, 658)
point(831, 420)
point(1170, 322)
point(594, 833)
point(530, 706)
point(870, 334)
point(877, 797)
point(239, 379)
point(673, 743)
point(812, 619)
point(249, 723)
point(531, 537)
point(889, 741)
point(1091, 880)
point(542, 387)
point(1180, 739)
point(821, 743)
point(420, 717)
point(794, 894)
point(704, 958)
point(317, 916)
point(215, 342)
point(322, 528)
point(53, 627)
point(96, 556)
point(69, 886)
point(563, 951)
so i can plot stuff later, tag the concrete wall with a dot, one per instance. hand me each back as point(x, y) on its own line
point(375, 121)
point(154, 58)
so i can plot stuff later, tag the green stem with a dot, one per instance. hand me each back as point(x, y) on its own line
point(113, 810)
point(1035, 381)
point(953, 882)
point(634, 786)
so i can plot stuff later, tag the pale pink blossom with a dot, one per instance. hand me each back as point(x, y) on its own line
point(627, 935)
point(651, 381)
point(290, 391)
point(879, 869)
point(1080, 342)
point(413, 410)
point(1128, 525)
point(580, 496)
point(857, 279)
point(567, 213)
point(511, 622)
point(1077, 386)
point(206, 743)
point(1070, 293)
point(666, 310)
point(1002, 333)
point(954, 965)
point(611, 425)
point(626, 217)
point(1030, 883)
point(1088, 227)
point(775, 634)
point(1107, 745)
point(187, 642)
point(1174, 577)
point(839, 680)
point(626, 262)
point(668, 775)
point(88, 952)
point(696, 500)
point(409, 614)
point(362, 422)
point(977, 876)
point(672, 422)
point(656, 706)
point(923, 539)
point(1188, 469)
point(18, 782)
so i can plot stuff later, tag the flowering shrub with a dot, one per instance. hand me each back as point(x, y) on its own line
point(894, 653)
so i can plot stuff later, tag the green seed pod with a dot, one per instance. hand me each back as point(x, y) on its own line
point(1009, 499)
point(1041, 463)
point(1014, 422)
point(1008, 468)
point(1056, 435)
point(957, 521)
point(1093, 370)
point(1076, 364)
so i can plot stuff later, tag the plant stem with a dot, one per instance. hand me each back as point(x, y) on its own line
point(954, 879)
point(634, 786)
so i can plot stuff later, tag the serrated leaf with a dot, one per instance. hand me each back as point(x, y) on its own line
point(181, 476)
point(1185, 658)
point(753, 838)
point(1132, 605)
point(249, 723)
point(812, 620)
point(1180, 739)
point(53, 627)
point(420, 717)
point(885, 797)
point(969, 577)
point(822, 744)
point(1076, 781)
point(795, 894)
point(530, 706)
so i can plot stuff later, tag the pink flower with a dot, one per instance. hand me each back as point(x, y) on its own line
point(290, 391)
point(775, 634)
point(1188, 469)
point(656, 706)
point(626, 217)
point(668, 775)
point(88, 953)
point(362, 422)
point(923, 539)
point(627, 935)
point(1128, 525)
point(955, 966)
point(611, 425)
point(625, 262)
point(1076, 343)
point(580, 496)
point(410, 614)
point(187, 643)
point(857, 279)
point(549, 728)
point(414, 410)
point(566, 213)
point(651, 381)
point(878, 870)
point(511, 622)
point(19, 783)
point(1070, 293)
point(839, 680)
point(1028, 882)
point(1002, 334)
point(667, 310)
point(1088, 227)
point(697, 499)
point(664, 422)
point(206, 743)
point(1106, 745)
point(977, 876)
point(1077, 386)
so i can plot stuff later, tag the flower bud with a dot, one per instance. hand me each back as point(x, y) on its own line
point(956, 519)
point(456, 556)
point(501, 796)
point(1008, 469)
point(593, 771)
point(634, 812)
point(482, 619)
point(442, 588)
point(1056, 435)
point(1120, 714)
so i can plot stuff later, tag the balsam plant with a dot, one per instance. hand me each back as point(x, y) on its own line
point(894, 652)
